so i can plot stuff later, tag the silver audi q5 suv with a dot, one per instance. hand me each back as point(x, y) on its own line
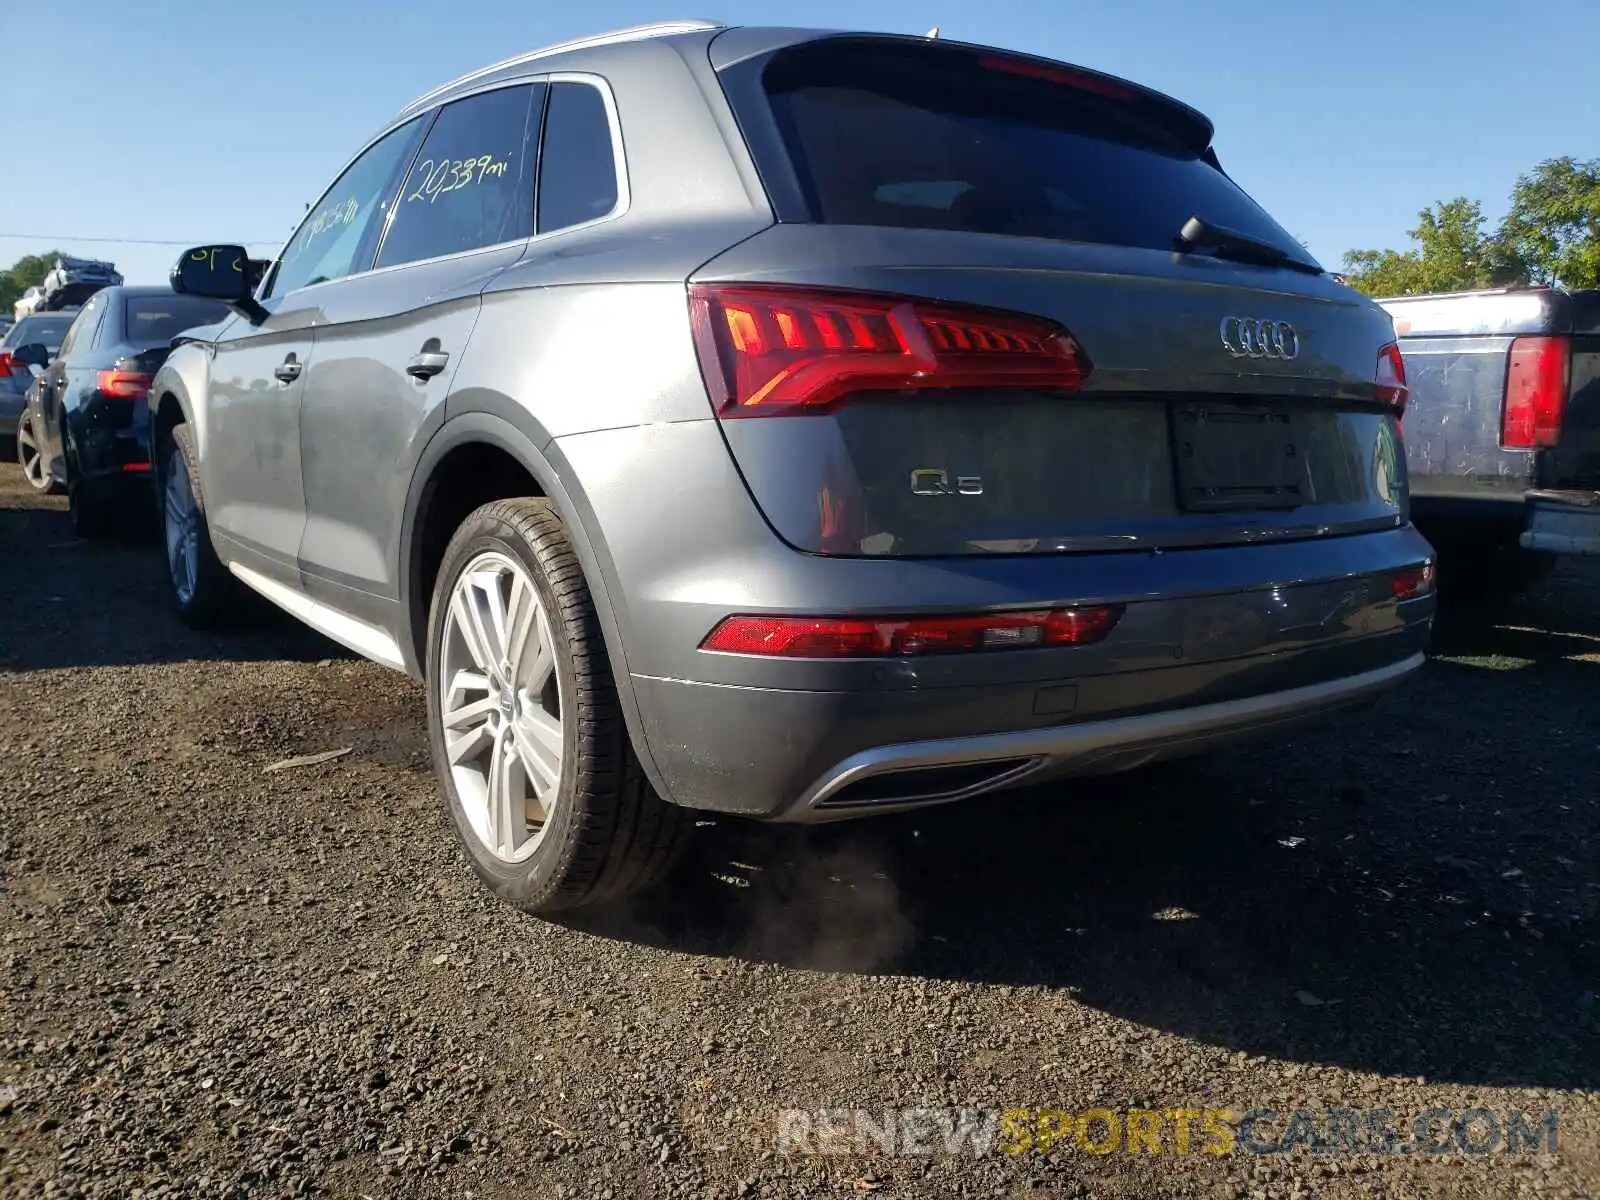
point(800, 425)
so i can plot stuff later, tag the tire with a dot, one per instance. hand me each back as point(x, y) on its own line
point(93, 516)
point(199, 587)
point(30, 460)
point(605, 834)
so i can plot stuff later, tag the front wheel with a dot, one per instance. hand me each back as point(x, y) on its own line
point(528, 739)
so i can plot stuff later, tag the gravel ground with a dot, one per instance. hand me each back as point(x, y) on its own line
point(217, 980)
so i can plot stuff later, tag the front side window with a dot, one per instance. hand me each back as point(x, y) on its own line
point(472, 183)
point(337, 237)
point(577, 161)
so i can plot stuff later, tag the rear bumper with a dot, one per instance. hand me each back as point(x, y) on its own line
point(1563, 523)
point(826, 755)
point(933, 772)
point(767, 737)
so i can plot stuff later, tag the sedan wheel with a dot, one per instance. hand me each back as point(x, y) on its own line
point(502, 707)
point(32, 462)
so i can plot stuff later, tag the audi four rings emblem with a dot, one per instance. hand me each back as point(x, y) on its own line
point(1246, 337)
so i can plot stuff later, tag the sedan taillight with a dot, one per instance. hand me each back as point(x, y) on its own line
point(123, 385)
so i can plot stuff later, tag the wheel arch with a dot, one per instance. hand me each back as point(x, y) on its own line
point(172, 404)
point(479, 425)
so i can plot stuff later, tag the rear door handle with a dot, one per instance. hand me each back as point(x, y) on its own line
point(427, 364)
point(288, 370)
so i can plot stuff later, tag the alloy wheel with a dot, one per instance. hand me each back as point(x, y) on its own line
point(28, 454)
point(501, 706)
point(181, 527)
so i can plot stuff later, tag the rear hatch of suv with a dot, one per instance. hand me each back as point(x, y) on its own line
point(1014, 307)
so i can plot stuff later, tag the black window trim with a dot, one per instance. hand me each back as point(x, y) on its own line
point(533, 131)
point(113, 301)
point(427, 117)
point(69, 343)
point(619, 161)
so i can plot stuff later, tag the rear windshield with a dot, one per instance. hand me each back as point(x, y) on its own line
point(952, 138)
point(152, 320)
point(46, 330)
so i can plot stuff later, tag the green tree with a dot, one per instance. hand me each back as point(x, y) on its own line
point(1554, 222)
point(28, 271)
point(1451, 253)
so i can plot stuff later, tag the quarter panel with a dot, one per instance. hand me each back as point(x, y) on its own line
point(589, 356)
point(490, 417)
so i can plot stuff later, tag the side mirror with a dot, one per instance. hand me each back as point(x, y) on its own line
point(34, 354)
point(215, 272)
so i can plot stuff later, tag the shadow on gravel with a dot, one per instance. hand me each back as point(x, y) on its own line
point(1412, 893)
point(74, 603)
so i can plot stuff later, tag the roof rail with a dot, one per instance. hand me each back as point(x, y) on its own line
point(633, 33)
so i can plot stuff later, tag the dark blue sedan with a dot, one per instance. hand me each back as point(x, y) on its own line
point(86, 414)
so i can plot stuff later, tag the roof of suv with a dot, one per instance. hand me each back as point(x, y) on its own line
point(553, 58)
point(511, 68)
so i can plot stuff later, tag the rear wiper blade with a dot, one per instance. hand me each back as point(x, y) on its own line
point(1230, 243)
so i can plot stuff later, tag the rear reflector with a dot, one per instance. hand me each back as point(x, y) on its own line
point(896, 637)
point(1536, 392)
point(1412, 582)
point(122, 385)
point(1389, 384)
point(770, 350)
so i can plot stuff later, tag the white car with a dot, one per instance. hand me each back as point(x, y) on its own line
point(29, 303)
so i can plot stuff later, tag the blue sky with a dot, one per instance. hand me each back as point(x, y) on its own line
point(219, 120)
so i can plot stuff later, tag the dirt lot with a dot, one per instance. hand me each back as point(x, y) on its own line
point(220, 981)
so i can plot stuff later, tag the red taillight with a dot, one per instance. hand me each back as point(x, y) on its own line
point(895, 637)
point(1412, 582)
point(122, 385)
point(7, 363)
point(1389, 384)
point(1536, 392)
point(767, 350)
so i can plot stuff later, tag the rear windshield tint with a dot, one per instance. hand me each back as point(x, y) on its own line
point(46, 330)
point(952, 138)
point(153, 320)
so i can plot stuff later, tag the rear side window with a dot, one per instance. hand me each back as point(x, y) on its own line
point(949, 138)
point(472, 184)
point(81, 331)
point(156, 320)
point(578, 179)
